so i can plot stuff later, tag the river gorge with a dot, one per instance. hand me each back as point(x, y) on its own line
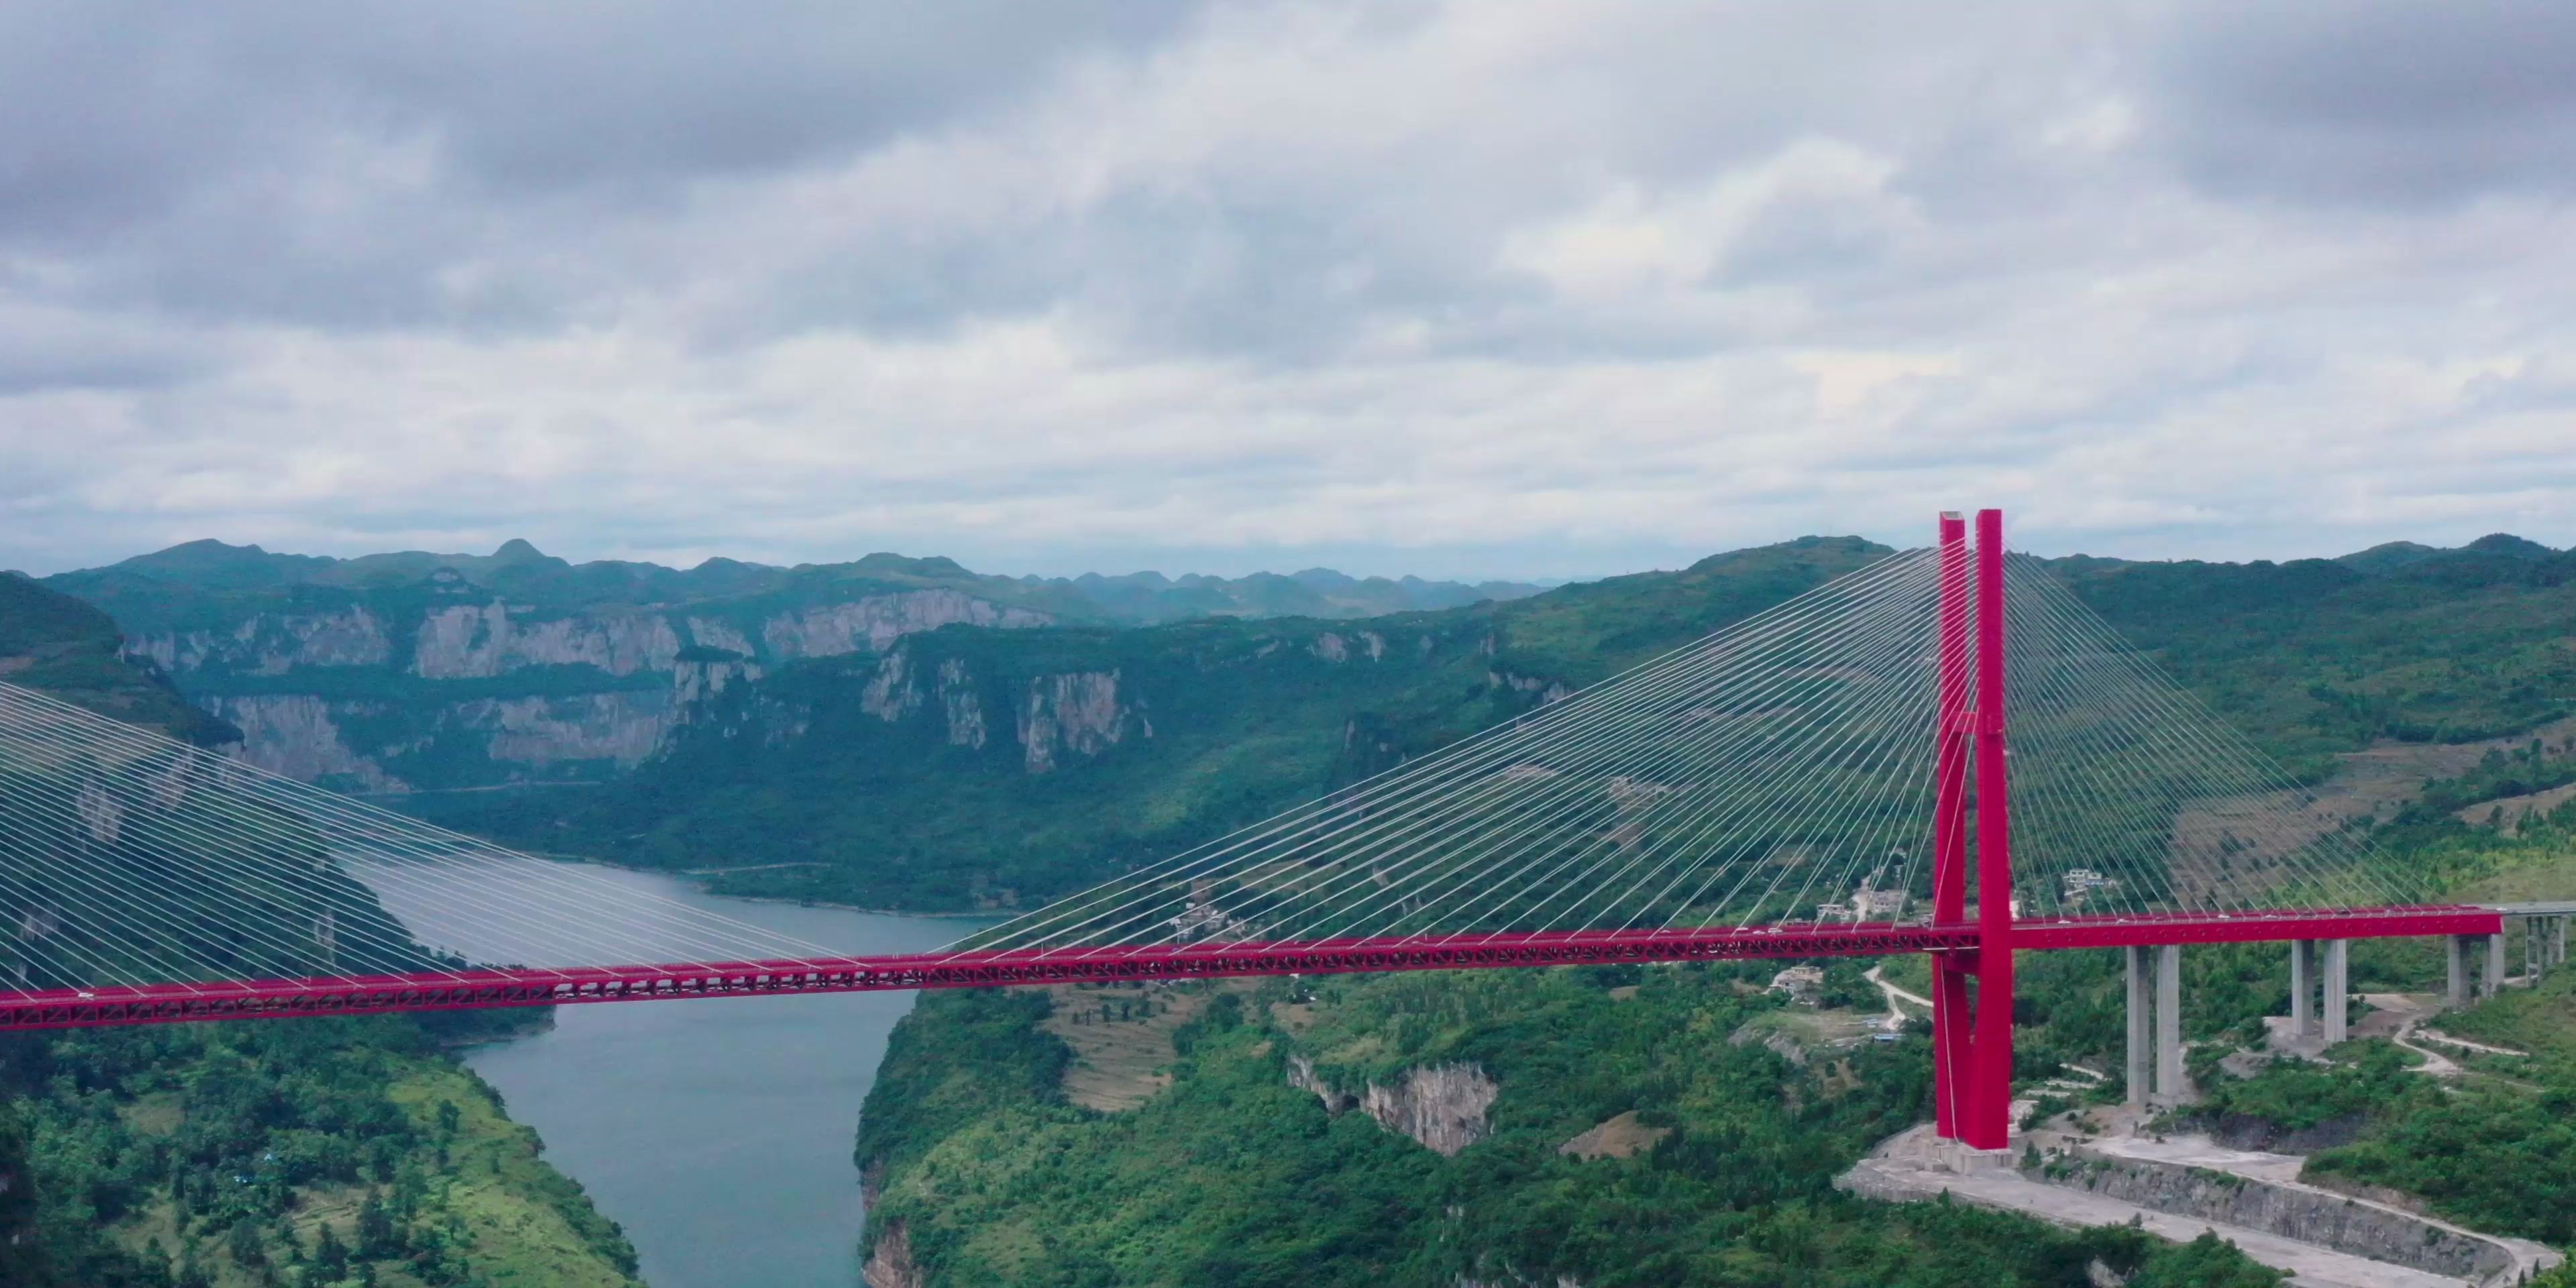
point(718, 1134)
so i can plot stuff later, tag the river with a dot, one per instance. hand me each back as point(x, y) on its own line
point(719, 1133)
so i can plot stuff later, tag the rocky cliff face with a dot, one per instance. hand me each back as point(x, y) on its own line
point(890, 1263)
point(298, 735)
point(1441, 1106)
point(481, 640)
point(451, 690)
point(1057, 717)
point(869, 625)
point(1075, 715)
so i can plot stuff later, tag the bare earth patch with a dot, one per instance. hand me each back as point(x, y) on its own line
point(1621, 1137)
point(1295, 1017)
point(2262, 830)
point(1120, 1063)
point(2509, 811)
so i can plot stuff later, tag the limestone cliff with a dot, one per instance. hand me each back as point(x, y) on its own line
point(869, 625)
point(890, 1263)
point(298, 735)
point(271, 643)
point(1441, 1106)
point(1057, 717)
point(439, 686)
point(1075, 715)
point(472, 640)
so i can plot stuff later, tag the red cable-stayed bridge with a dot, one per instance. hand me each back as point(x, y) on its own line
point(1827, 778)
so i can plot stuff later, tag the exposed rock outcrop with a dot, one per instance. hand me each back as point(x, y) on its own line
point(1546, 689)
point(889, 1263)
point(2298, 1212)
point(331, 733)
point(877, 621)
point(1509, 1278)
point(476, 640)
point(895, 692)
point(272, 643)
point(1078, 714)
point(298, 735)
point(1441, 1106)
point(959, 703)
point(694, 680)
point(622, 727)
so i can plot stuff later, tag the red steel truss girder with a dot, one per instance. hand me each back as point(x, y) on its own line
point(465, 990)
point(2256, 927)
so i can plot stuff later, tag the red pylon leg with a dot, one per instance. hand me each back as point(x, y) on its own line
point(1953, 1045)
point(1989, 1122)
point(1952, 1052)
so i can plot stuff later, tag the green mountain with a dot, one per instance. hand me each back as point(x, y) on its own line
point(415, 672)
point(1666, 1125)
point(1680, 1124)
point(59, 645)
point(901, 733)
point(989, 768)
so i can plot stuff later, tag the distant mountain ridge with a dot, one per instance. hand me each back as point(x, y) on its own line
point(158, 588)
point(414, 671)
point(1148, 598)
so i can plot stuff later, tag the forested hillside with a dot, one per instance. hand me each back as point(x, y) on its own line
point(315, 1151)
point(1676, 1125)
point(1670, 1125)
point(1594, 1127)
point(987, 768)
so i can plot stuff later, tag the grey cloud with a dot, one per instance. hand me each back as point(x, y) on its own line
point(2380, 103)
point(1526, 289)
point(336, 163)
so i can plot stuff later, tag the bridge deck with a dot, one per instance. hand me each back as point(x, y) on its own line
point(526, 986)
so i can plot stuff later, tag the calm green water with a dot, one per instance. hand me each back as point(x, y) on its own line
point(719, 1132)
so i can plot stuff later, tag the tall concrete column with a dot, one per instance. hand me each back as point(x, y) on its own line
point(2169, 1085)
point(2531, 941)
point(2141, 1037)
point(2494, 981)
point(2559, 952)
point(2338, 990)
point(2303, 986)
point(2458, 953)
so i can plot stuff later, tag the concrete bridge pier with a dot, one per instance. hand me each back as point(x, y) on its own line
point(2488, 981)
point(2544, 944)
point(2155, 1072)
point(2338, 990)
point(2303, 987)
point(2321, 989)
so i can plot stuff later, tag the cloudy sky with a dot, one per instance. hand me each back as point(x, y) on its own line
point(1503, 287)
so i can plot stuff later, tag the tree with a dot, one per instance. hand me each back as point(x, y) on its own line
point(330, 1257)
